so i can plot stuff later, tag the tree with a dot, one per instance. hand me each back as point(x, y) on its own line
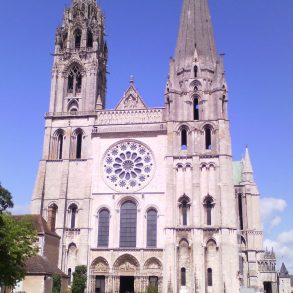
point(56, 283)
point(5, 199)
point(17, 243)
point(79, 279)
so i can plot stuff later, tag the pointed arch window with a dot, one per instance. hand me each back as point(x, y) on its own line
point(89, 39)
point(78, 145)
point(152, 217)
point(209, 205)
point(208, 138)
point(104, 225)
point(195, 71)
point(184, 206)
point(77, 38)
point(72, 212)
point(195, 109)
point(60, 139)
point(240, 211)
point(128, 222)
point(183, 139)
point(183, 277)
point(210, 277)
point(74, 81)
point(52, 213)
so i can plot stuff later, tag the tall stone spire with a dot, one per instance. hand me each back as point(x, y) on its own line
point(196, 38)
point(247, 167)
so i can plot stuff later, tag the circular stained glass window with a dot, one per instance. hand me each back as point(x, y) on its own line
point(128, 166)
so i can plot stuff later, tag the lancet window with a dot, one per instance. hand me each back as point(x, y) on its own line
point(52, 213)
point(195, 109)
point(104, 225)
point(210, 277)
point(77, 38)
point(183, 139)
point(72, 212)
point(183, 277)
point(74, 81)
point(152, 216)
point(128, 219)
point(209, 205)
point(184, 206)
point(208, 138)
point(89, 40)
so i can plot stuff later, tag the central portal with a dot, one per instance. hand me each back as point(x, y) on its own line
point(126, 285)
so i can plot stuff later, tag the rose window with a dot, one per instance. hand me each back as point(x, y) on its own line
point(128, 166)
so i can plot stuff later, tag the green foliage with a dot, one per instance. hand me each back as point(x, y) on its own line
point(79, 279)
point(56, 283)
point(151, 289)
point(17, 244)
point(5, 199)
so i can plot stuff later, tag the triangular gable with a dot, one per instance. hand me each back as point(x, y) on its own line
point(131, 100)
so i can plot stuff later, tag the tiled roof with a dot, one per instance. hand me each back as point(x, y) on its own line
point(39, 223)
point(38, 265)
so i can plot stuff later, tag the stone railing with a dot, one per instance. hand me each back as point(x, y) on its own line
point(130, 117)
point(69, 114)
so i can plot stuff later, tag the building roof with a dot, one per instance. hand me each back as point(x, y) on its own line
point(39, 223)
point(284, 271)
point(195, 34)
point(38, 265)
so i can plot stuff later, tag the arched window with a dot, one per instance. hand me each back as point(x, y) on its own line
point(104, 224)
point(73, 107)
point(195, 109)
point(184, 209)
point(183, 139)
point(89, 40)
point(52, 212)
point(152, 217)
point(128, 219)
point(69, 275)
point(74, 81)
point(78, 145)
point(60, 139)
point(183, 277)
point(240, 210)
point(210, 277)
point(72, 212)
point(77, 38)
point(208, 138)
point(195, 71)
point(209, 204)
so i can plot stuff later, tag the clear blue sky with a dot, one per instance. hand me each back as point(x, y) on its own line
point(255, 35)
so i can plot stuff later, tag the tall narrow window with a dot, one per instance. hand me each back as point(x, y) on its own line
point(208, 138)
point(77, 39)
point(60, 146)
point(152, 228)
point(223, 106)
point(210, 277)
point(183, 277)
point(183, 139)
point(52, 212)
point(103, 233)
point(69, 275)
point(195, 109)
point(74, 81)
point(72, 212)
point(78, 145)
point(209, 204)
point(240, 211)
point(128, 219)
point(89, 40)
point(195, 71)
point(184, 207)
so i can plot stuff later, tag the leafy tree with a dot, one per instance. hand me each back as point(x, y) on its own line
point(17, 244)
point(79, 279)
point(56, 283)
point(5, 199)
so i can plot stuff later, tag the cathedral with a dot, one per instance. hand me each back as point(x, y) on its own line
point(148, 198)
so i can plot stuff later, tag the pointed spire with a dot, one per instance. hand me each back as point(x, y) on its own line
point(283, 271)
point(247, 166)
point(196, 36)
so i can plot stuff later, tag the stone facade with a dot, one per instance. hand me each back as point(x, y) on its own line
point(196, 225)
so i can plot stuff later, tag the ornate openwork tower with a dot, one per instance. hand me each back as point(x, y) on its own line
point(148, 196)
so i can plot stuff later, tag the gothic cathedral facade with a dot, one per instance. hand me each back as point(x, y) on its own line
point(148, 196)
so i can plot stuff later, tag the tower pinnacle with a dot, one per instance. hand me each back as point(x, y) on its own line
point(195, 38)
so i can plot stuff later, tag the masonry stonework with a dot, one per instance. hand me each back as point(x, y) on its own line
point(148, 196)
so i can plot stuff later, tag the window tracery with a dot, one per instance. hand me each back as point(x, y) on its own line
point(128, 166)
point(74, 81)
